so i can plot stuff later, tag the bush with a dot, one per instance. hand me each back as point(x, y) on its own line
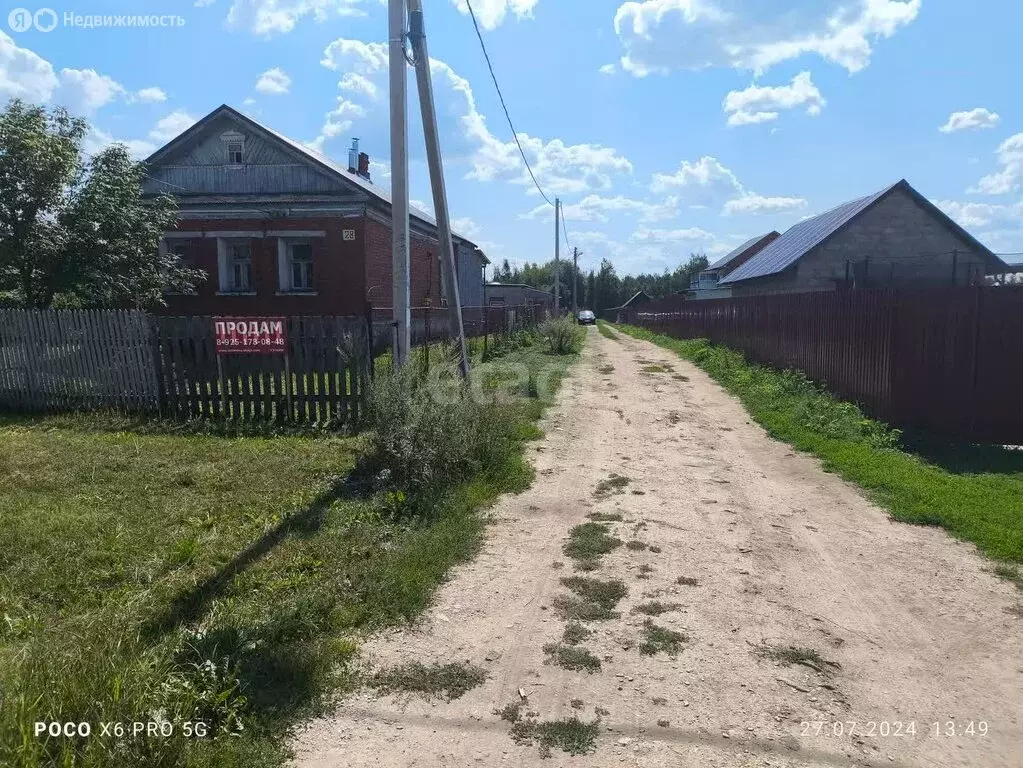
point(431, 434)
point(562, 335)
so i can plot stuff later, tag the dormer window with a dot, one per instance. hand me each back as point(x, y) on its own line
point(235, 152)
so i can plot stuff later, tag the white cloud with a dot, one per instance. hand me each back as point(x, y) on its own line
point(1007, 178)
point(171, 125)
point(974, 118)
point(608, 69)
point(203, 3)
point(97, 140)
point(355, 56)
point(274, 81)
point(661, 35)
point(706, 173)
point(978, 215)
point(645, 235)
point(356, 83)
point(83, 91)
point(269, 17)
point(599, 208)
point(151, 95)
point(466, 227)
point(756, 204)
point(758, 104)
point(491, 13)
point(23, 73)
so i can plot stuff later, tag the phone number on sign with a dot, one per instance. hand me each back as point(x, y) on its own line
point(895, 728)
point(136, 729)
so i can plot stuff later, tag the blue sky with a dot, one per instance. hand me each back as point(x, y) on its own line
point(666, 126)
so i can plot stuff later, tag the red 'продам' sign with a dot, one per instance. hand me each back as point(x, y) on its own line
point(264, 335)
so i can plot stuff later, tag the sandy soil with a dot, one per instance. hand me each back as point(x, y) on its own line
point(784, 553)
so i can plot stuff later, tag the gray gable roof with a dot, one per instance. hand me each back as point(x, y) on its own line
point(803, 237)
point(309, 155)
point(732, 255)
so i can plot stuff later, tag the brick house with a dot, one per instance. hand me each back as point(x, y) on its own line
point(895, 238)
point(282, 230)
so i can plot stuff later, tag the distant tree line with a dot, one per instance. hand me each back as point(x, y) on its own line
point(602, 288)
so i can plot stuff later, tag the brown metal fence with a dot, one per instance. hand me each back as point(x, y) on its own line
point(943, 360)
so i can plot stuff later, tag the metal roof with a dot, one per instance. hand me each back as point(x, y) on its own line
point(732, 255)
point(381, 194)
point(799, 239)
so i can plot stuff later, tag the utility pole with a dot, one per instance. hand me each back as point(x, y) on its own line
point(448, 269)
point(399, 181)
point(557, 256)
point(575, 280)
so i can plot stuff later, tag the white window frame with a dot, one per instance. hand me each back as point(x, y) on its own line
point(226, 258)
point(286, 267)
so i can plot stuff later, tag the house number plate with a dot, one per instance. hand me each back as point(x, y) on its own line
point(348, 234)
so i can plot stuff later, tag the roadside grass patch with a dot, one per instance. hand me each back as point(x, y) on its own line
point(572, 658)
point(606, 332)
point(655, 608)
point(570, 735)
point(1010, 573)
point(612, 484)
point(447, 681)
point(512, 712)
point(588, 542)
point(605, 517)
point(575, 633)
point(687, 581)
point(974, 492)
point(220, 575)
point(658, 639)
point(635, 545)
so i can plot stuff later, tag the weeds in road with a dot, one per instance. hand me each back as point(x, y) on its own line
point(656, 368)
point(687, 581)
point(594, 600)
point(644, 571)
point(512, 712)
point(655, 608)
point(1015, 610)
point(679, 377)
point(612, 484)
point(575, 633)
point(447, 681)
point(587, 543)
point(975, 492)
point(606, 369)
point(658, 639)
point(572, 658)
point(635, 545)
point(570, 735)
point(606, 332)
point(655, 549)
point(605, 517)
point(1010, 573)
point(787, 655)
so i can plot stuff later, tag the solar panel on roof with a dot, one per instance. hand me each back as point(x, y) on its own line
point(799, 239)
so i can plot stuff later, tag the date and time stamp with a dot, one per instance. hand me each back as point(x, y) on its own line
point(908, 729)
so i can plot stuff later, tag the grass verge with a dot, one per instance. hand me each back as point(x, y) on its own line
point(182, 576)
point(606, 331)
point(974, 492)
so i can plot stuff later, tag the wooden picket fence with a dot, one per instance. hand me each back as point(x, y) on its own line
point(322, 378)
point(76, 360)
point(66, 360)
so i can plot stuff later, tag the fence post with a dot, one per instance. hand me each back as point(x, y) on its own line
point(368, 314)
point(486, 329)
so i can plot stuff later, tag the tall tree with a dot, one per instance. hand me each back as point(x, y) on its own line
point(77, 232)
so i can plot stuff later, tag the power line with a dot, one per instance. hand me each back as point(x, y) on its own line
point(504, 106)
point(563, 229)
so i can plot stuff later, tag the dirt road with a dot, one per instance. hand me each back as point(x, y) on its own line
point(908, 625)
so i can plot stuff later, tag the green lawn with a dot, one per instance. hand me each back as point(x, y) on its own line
point(147, 576)
point(974, 492)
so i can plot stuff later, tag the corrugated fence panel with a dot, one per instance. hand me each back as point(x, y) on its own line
point(947, 360)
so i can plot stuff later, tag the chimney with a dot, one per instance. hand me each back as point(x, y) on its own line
point(364, 166)
point(353, 157)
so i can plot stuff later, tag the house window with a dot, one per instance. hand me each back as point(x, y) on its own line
point(234, 153)
point(239, 268)
point(300, 266)
point(179, 250)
